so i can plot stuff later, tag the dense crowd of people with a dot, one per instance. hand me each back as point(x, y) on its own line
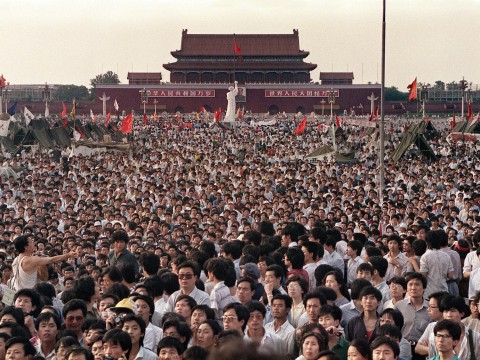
point(216, 242)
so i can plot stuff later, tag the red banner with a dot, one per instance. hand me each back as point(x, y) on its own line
point(300, 93)
point(181, 93)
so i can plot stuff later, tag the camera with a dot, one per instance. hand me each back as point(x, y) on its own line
point(118, 319)
point(331, 331)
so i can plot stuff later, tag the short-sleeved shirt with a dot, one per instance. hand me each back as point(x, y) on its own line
point(415, 320)
point(436, 264)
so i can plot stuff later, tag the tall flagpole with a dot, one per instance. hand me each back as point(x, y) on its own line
point(234, 58)
point(382, 118)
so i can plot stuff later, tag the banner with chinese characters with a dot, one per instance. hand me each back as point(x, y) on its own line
point(300, 93)
point(181, 93)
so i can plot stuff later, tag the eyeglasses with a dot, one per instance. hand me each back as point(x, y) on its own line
point(185, 276)
point(228, 318)
point(443, 336)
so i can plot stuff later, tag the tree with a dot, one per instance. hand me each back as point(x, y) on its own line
point(393, 94)
point(439, 85)
point(68, 92)
point(108, 78)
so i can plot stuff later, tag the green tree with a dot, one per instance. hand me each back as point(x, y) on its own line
point(108, 78)
point(439, 85)
point(393, 94)
point(68, 92)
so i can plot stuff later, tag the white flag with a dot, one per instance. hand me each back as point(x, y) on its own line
point(28, 115)
point(4, 127)
point(91, 114)
point(12, 119)
point(115, 105)
point(47, 111)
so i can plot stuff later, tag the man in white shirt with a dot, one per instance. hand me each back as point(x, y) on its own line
point(310, 250)
point(281, 305)
point(188, 273)
point(331, 257)
point(256, 332)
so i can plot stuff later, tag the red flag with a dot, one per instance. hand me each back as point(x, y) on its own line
point(371, 117)
point(218, 114)
point(453, 123)
point(427, 120)
point(107, 119)
point(202, 109)
point(413, 90)
point(65, 123)
point(145, 120)
point(301, 127)
point(188, 125)
point(127, 124)
point(337, 121)
point(3, 82)
point(469, 113)
point(236, 48)
point(64, 112)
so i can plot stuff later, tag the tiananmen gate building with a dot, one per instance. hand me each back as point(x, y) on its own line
point(271, 71)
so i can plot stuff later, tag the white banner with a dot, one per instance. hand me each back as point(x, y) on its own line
point(364, 123)
point(4, 127)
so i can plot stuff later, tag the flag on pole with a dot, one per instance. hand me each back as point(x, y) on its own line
point(47, 110)
point(218, 114)
point(145, 120)
point(65, 122)
point(469, 112)
point(127, 124)
point(107, 119)
point(301, 127)
point(12, 109)
point(115, 105)
point(413, 90)
point(3, 82)
point(453, 123)
point(475, 119)
point(337, 121)
point(28, 115)
point(64, 111)
point(236, 49)
point(72, 113)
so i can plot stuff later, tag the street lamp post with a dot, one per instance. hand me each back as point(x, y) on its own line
point(46, 98)
point(155, 102)
point(331, 100)
point(424, 96)
point(144, 94)
point(463, 86)
point(382, 105)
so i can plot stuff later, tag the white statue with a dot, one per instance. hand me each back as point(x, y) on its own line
point(231, 111)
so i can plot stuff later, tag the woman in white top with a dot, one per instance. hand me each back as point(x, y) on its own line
point(24, 267)
point(296, 287)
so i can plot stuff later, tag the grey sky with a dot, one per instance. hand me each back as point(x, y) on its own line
point(72, 41)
